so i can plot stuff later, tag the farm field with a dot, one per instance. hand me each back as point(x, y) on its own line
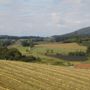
point(31, 76)
point(40, 50)
point(56, 47)
point(59, 47)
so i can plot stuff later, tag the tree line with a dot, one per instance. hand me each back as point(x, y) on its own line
point(15, 54)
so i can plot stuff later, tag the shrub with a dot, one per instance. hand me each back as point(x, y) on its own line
point(25, 43)
point(30, 59)
point(88, 50)
point(11, 54)
point(14, 54)
point(58, 63)
point(80, 53)
point(28, 43)
point(6, 43)
point(69, 64)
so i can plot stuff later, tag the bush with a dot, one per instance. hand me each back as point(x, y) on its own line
point(6, 43)
point(58, 63)
point(80, 53)
point(25, 43)
point(69, 64)
point(30, 59)
point(28, 43)
point(88, 50)
point(14, 54)
point(11, 54)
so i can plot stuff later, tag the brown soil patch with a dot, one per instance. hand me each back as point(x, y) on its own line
point(83, 66)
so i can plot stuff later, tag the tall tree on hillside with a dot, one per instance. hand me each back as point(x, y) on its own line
point(31, 44)
point(88, 50)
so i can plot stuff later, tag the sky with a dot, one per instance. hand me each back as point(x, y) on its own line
point(43, 17)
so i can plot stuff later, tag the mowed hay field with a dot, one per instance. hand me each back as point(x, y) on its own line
point(59, 47)
point(32, 76)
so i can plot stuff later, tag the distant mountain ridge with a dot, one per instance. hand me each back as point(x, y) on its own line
point(84, 32)
point(81, 33)
point(34, 38)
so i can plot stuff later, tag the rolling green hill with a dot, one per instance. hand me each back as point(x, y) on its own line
point(81, 33)
point(31, 76)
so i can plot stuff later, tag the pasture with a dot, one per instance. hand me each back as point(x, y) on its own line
point(29, 76)
point(56, 47)
point(59, 47)
point(40, 50)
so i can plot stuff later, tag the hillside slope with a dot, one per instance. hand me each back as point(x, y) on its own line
point(26, 76)
point(83, 31)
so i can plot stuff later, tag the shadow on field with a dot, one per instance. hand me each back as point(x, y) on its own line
point(69, 58)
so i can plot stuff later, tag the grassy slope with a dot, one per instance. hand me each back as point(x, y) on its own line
point(39, 50)
point(56, 47)
point(29, 76)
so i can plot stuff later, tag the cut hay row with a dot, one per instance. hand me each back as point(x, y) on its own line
point(35, 76)
point(75, 79)
point(25, 79)
point(9, 81)
point(16, 65)
point(28, 76)
point(40, 68)
point(2, 88)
